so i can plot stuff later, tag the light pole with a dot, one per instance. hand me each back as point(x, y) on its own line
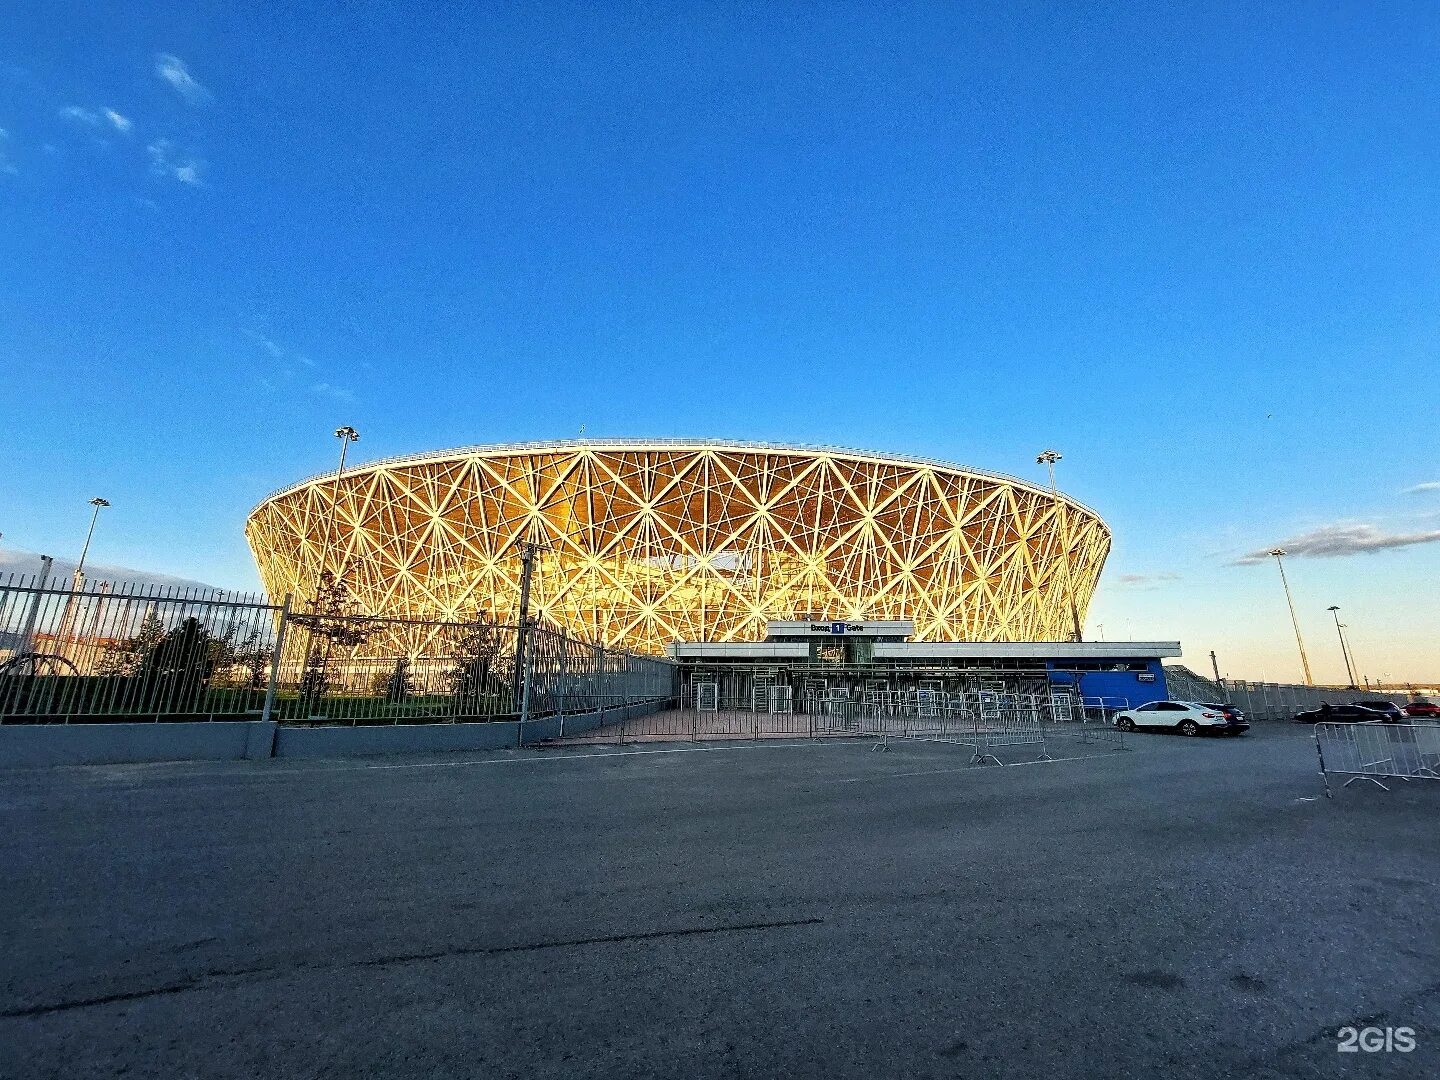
point(346, 435)
point(1334, 610)
point(1350, 652)
point(329, 593)
point(1048, 458)
point(98, 503)
point(1279, 554)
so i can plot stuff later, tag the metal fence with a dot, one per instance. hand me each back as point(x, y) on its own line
point(1375, 751)
point(95, 652)
point(93, 649)
point(1265, 700)
point(1281, 701)
point(981, 721)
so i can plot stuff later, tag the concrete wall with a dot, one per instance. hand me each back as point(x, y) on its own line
point(100, 744)
point(332, 742)
point(103, 744)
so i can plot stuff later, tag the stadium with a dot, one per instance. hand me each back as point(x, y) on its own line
point(643, 544)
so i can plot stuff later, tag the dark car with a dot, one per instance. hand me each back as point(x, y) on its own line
point(1391, 712)
point(1235, 722)
point(1423, 708)
point(1356, 713)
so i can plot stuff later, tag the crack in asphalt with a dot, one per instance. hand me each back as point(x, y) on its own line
point(192, 982)
point(197, 981)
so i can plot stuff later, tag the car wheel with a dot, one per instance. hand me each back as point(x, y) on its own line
point(1125, 724)
point(1189, 727)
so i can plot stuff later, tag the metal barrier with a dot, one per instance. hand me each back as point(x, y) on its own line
point(983, 723)
point(1374, 750)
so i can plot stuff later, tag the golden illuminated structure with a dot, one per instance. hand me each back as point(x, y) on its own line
point(649, 542)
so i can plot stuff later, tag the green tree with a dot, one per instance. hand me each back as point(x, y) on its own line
point(395, 685)
point(333, 623)
point(125, 658)
point(473, 674)
point(176, 672)
point(252, 656)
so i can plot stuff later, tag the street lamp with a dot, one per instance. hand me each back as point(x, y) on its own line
point(97, 503)
point(346, 435)
point(1334, 610)
point(1048, 458)
point(1279, 554)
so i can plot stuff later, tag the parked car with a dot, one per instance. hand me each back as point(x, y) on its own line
point(1237, 724)
point(1358, 712)
point(1392, 713)
point(1423, 708)
point(1186, 717)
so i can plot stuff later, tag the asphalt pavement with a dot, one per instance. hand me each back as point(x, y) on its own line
point(1187, 908)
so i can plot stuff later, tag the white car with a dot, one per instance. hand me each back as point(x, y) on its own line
point(1186, 717)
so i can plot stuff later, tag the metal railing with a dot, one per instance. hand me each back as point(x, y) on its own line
point(92, 649)
point(96, 652)
point(1376, 751)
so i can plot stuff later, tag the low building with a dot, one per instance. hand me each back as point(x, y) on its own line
point(802, 662)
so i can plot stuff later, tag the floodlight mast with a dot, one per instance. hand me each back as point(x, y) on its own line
point(1334, 610)
point(1048, 458)
point(1279, 556)
point(346, 435)
point(98, 503)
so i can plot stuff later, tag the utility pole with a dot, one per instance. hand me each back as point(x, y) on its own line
point(1279, 554)
point(1344, 652)
point(1048, 458)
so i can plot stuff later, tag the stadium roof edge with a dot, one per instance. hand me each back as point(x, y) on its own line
point(500, 449)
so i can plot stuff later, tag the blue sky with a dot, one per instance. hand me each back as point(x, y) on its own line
point(1196, 252)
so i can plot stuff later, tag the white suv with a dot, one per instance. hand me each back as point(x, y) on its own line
point(1186, 717)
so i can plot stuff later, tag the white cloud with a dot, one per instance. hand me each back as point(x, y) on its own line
point(1423, 489)
point(27, 563)
point(275, 351)
point(1338, 541)
point(5, 166)
point(176, 75)
point(1135, 582)
point(166, 161)
point(339, 393)
point(91, 118)
point(81, 116)
point(295, 369)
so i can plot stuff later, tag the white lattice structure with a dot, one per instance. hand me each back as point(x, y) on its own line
point(653, 542)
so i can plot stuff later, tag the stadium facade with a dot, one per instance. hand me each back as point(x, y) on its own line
point(644, 544)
